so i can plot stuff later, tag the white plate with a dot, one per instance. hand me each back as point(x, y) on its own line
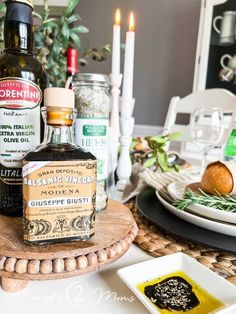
point(214, 284)
point(176, 190)
point(220, 227)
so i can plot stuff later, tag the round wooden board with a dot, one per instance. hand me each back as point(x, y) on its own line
point(114, 232)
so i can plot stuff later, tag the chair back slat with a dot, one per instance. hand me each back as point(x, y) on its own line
point(209, 98)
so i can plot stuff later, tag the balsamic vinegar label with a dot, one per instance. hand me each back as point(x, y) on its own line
point(19, 124)
point(59, 199)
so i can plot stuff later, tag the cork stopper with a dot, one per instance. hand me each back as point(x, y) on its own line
point(59, 97)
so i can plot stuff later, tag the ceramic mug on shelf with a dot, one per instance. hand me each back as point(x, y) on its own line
point(227, 27)
point(228, 62)
point(226, 75)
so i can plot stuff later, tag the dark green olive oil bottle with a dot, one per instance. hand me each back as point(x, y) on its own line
point(22, 81)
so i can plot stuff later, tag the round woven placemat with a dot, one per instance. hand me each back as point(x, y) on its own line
point(157, 243)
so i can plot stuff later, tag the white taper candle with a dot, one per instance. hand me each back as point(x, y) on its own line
point(116, 45)
point(127, 91)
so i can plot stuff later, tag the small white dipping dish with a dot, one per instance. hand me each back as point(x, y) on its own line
point(212, 283)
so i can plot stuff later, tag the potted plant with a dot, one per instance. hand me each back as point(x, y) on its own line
point(53, 36)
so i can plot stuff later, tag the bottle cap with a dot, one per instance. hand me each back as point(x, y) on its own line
point(72, 60)
point(29, 2)
point(59, 97)
point(83, 78)
point(19, 11)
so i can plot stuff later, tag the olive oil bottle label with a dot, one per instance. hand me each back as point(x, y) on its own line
point(20, 124)
point(59, 199)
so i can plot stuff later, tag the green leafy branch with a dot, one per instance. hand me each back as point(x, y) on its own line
point(155, 154)
point(52, 38)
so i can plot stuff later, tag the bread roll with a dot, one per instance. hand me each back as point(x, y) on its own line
point(217, 179)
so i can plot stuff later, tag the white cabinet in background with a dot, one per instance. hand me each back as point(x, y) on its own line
point(209, 50)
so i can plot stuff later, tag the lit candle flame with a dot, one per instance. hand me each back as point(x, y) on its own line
point(118, 17)
point(131, 22)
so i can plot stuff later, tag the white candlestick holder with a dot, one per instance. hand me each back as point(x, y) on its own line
point(114, 129)
point(124, 168)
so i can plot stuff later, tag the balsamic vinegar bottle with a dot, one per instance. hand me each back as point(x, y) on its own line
point(59, 178)
point(22, 80)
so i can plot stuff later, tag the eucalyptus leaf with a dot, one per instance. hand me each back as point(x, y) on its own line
point(38, 38)
point(50, 20)
point(163, 161)
point(80, 29)
point(76, 39)
point(73, 18)
point(150, 162)
point(107, 48)
point(65, 31)
point(71, 6)
point(176, 168)
point(37, 15)
point(159, 139)
point(48, 24)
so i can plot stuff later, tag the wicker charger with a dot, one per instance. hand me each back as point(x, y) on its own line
point(157, 243)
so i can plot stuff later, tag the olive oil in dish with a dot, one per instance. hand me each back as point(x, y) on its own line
point(178, 293)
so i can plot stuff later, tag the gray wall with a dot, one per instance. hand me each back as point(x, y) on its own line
point(166, 39)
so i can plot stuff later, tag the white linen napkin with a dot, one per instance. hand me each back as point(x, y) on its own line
point(143, 177)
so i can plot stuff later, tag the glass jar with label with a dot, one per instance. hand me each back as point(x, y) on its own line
point(92, 124)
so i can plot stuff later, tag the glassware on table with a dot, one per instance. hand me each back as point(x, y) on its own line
point(206, 126)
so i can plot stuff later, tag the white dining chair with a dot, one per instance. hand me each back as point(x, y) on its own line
point(178, 107)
